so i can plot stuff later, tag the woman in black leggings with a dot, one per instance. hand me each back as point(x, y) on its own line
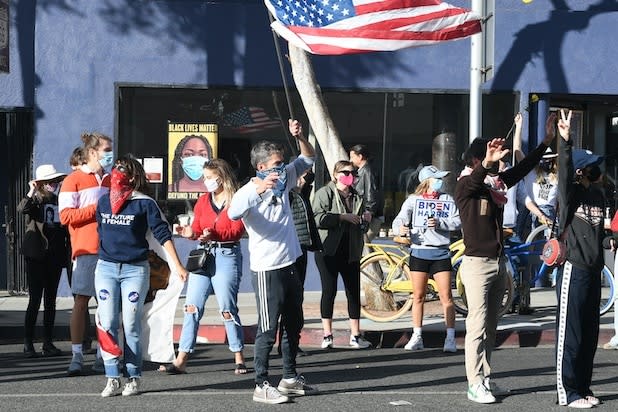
point(45, 250)
point(337, 209)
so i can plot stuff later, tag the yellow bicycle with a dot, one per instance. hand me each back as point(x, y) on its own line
point(386, 283)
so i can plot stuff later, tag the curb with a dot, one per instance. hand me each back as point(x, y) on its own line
point(312, 337)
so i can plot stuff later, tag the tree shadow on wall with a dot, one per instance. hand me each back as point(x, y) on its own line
point(231, 34)
point(545, 40)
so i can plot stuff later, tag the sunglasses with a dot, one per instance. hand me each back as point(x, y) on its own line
point(349, 172)
point(121, 169)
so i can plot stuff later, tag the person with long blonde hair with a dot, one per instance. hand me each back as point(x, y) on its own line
point(213, 228)
point(429, 251)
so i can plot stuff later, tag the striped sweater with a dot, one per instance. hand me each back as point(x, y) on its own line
point(77, 204)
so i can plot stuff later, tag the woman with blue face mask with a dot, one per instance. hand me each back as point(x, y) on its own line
point(187, 166)
point(427, 216)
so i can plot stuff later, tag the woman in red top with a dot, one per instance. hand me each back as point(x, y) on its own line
point(213, 229)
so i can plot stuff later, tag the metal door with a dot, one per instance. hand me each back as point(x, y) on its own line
point(16, 137)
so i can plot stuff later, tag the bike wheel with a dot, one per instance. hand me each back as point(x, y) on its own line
point(377, 302)
point(457, 289)
point(459, 293)
point(607, 290)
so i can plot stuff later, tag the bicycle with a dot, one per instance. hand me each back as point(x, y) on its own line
point(386, 282)
point(531, 250)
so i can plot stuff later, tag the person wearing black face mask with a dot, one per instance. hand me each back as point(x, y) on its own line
point(578, 283)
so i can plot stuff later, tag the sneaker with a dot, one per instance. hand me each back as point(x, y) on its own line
point(480, 394)
point(449, 345)
point(358, 342)
point(112, 388)
point(298, 387)
point(327, 342)
point(49, 349)
point(612, 344)
point(415, 343)
point(29, 351)
point(593, 400)
point(98, 366)
point(75, 367)
point(131, 388)
point(268, 394)
point(580, 403)
point(494, 388)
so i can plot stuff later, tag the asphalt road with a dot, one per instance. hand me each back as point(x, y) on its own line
point(348, 380)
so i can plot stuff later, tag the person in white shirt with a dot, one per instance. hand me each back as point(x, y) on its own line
point(264, 206)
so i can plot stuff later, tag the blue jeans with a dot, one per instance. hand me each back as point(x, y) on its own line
point(121, 288)
point(223, 279)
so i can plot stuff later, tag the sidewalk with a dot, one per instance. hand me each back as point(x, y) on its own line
point(513, 330)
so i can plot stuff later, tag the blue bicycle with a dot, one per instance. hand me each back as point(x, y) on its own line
point(524, 259)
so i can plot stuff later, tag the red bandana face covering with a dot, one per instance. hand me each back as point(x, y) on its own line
point(120, 190)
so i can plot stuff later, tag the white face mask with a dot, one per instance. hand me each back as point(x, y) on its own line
point(211, 184)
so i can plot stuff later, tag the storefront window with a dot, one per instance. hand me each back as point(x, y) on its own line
point(398, 128)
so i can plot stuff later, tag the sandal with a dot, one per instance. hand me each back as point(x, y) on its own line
point(172, 369)
point(241, 369)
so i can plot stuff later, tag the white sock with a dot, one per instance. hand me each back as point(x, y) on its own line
point(76, 348)
point(450, 333)
point(418, 331)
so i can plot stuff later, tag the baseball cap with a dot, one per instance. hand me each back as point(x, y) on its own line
point(47, 172)
point(431, 171)
point(549, 154)
point(583, 158)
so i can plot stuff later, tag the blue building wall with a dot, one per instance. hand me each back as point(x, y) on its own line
point(67, 64)
point(67, 56)
point(82, 48)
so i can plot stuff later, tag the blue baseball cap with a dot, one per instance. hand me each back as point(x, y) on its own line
point(431, 171)
point(585, 158)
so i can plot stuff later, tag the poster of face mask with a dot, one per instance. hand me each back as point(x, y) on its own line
point(190, 146)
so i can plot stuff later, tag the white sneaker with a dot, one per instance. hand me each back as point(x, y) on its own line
point(327, 342)
point(131, 388)
point(415, 343)
point(298, 387)
point(449, 345)
point(580, 403)
point(268, 394)
point(494, 389)
point(612, 344)
point(112, 388)
point(480, 394)
point(358, 342)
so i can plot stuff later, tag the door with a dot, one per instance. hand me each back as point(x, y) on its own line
point(16, 136)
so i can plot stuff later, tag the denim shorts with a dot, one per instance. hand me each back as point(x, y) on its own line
point(82, 282)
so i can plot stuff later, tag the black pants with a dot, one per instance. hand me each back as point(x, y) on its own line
point(278, 293)
point(43, 279)
point(577, 331)
point(330, 267)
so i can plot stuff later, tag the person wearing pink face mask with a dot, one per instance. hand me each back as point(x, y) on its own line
point(429, 250)
point(339, 213)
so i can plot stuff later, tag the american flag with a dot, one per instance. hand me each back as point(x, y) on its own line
point(359, 26)
point(249, 119)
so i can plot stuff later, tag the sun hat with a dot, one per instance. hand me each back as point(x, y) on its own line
point(431, 171)
point(583, 158)
point(47, 172)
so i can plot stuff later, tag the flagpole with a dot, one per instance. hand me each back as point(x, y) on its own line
point(283, 76)
point(476, 62)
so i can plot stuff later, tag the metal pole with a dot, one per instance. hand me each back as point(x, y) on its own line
point(476, 61)
point(283, 76)
point(384, 124)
